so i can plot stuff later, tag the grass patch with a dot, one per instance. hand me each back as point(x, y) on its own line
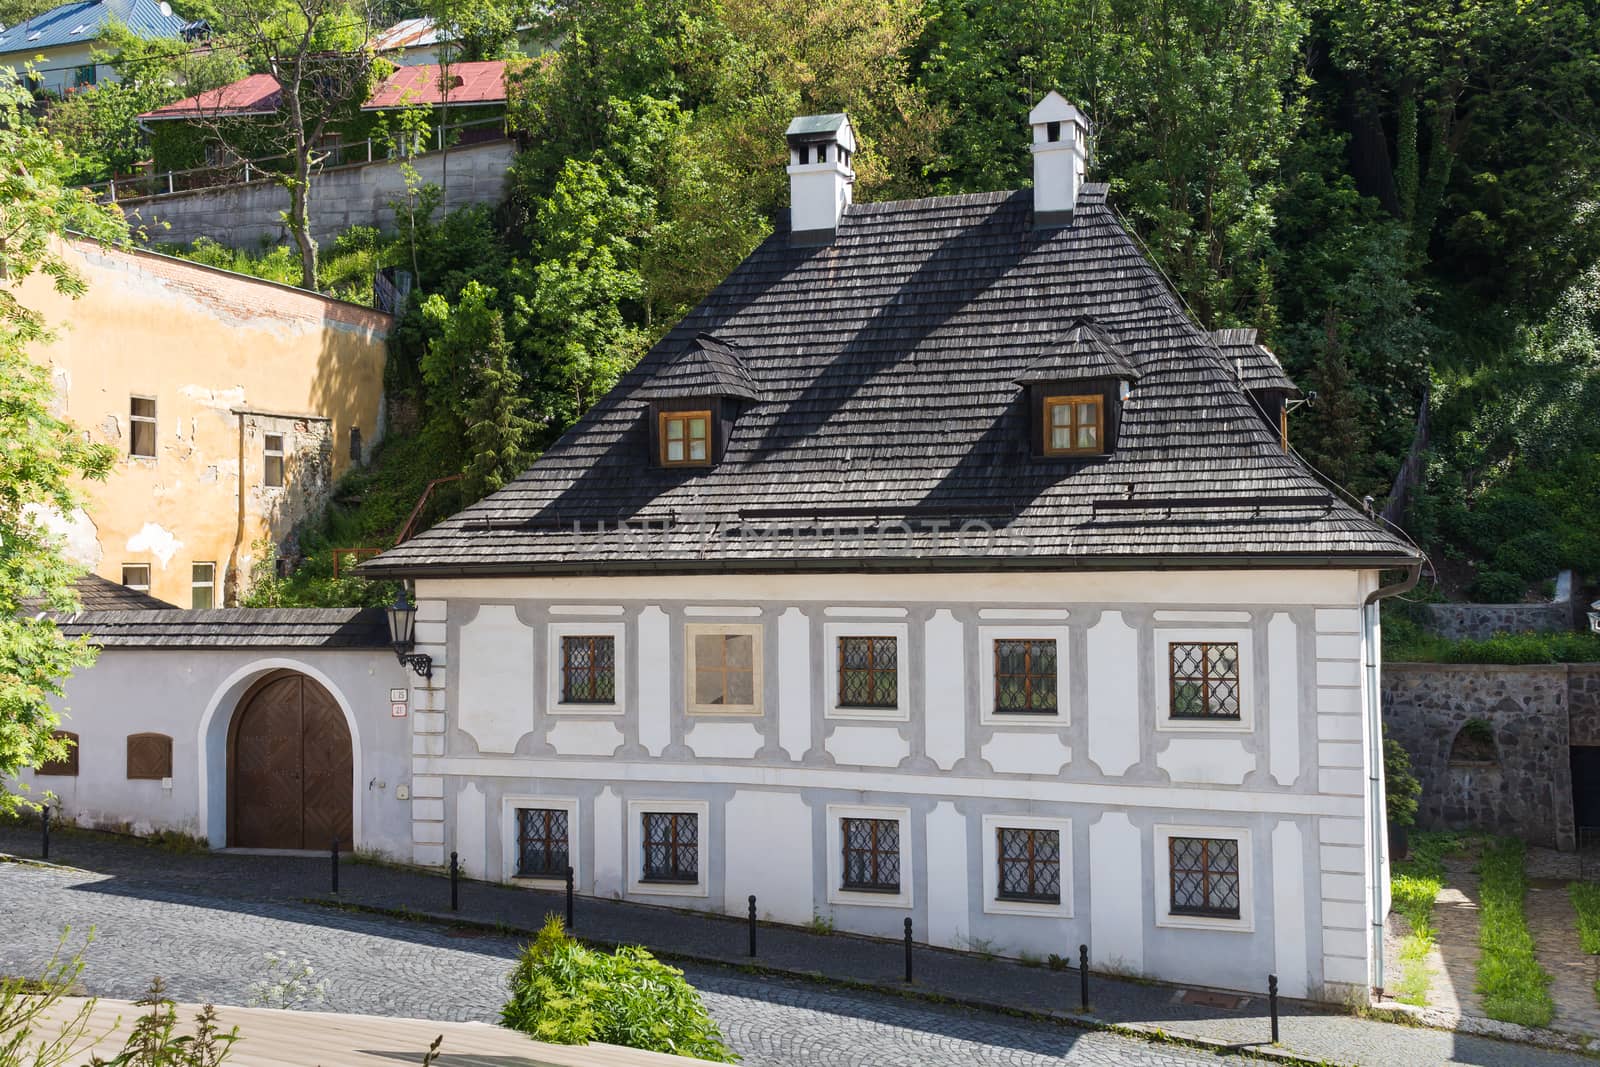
point(1404, 641)
point(1414, 886)
point(1514, 986)
point(1586, 903)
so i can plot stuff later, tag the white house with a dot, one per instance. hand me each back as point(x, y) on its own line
point(59, 44)
point(936, 565)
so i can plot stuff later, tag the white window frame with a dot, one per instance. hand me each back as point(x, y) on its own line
point(617, 631)
point(992, 904)
point(1165, 639)
point(1246, 922)
point(694, 630)
point(508, 836)
point(211, 585)
point(831, 632)
point(987, 636)
point(282, 454)
point(637, 809)
point(837, 893)
point(145, 588)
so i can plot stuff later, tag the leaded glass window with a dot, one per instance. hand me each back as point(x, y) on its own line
point(542, 849)
point(671, 846)
point(872, 855)
point(1030, 865)
point(1205, 876)
point(868, 672)
point(1025, 677)
point(1205, 680)
point(588, 670)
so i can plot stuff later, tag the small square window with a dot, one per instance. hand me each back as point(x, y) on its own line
point(542, 848)
point(1025, 677)
point(1204, 876)
point(203, 585)
point(142, 426)
point(272, 455)
point(1073, 425)
point(1204, 679)
point(149, 757)
point(868, 672)
point(725, 670)
point(136, 576)
point(871, 855)
point(1030, 865)
point(588, 669)
point(671, 846)
point(685, 438)
point(67, 766)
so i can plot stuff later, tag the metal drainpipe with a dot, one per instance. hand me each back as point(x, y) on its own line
point(1377, 816)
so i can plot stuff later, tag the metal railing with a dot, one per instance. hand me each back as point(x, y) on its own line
point(329, 156)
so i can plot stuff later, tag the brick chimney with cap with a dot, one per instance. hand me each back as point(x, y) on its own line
point(820, 178)
point(1060, 158)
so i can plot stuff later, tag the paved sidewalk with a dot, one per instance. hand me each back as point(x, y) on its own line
point(272, 1038)
point(1554, 926)
point(1306, 1032)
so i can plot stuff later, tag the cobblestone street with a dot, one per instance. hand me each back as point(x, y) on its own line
point(210, 948)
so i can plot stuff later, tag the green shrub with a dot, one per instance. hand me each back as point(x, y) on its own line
point(567, 994)
point(1400, 786)
point(1499, 587)
point(1404, 641)
point(1514, 986)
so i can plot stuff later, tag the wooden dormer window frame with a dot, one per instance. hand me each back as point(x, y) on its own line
point(1075, 407)
point(685, 439)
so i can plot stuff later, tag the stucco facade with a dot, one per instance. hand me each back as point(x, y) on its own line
point(231, 367)
point(192, 696)
point(1110, 771)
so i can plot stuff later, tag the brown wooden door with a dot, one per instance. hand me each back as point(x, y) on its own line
point(290, 770)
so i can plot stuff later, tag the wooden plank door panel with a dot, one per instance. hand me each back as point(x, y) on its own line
point(266, 787)
point(326, 758)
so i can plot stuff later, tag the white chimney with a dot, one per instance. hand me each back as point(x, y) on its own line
point(820, 178)
point(1060, 158)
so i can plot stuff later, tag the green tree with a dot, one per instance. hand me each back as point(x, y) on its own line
point(41, 454)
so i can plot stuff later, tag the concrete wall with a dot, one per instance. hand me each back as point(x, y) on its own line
point(1111, 771)
point(228, 360)
point(1535, 712)
point(245, 216)
point(191, 696)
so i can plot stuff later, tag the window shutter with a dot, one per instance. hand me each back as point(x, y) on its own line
point(64, 768)
point(149, 756)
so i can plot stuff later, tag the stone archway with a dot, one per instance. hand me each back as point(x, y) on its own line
point(290, 767)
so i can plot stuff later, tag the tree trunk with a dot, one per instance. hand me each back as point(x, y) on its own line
point(300, 217)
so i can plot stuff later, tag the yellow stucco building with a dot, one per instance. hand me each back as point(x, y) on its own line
point(233, 404)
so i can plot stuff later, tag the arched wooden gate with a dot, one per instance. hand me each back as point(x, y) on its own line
point(289, 767)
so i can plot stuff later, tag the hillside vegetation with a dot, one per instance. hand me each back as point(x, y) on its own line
point(1398, 194)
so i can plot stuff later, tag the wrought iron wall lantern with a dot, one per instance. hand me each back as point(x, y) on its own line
point(402, 626)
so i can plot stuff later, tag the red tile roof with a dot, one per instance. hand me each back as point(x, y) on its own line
point(470, 83)
point(255, 95)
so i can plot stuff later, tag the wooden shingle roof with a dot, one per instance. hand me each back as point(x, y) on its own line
point(232, 628)
point(707, 367)
point(887, 363)
point(1255, 364)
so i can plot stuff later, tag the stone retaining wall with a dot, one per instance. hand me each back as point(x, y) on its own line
point(1479, 621)
point(1534, 712)
point(245, 216)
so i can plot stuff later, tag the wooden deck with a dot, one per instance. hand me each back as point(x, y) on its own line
point(270, 1038)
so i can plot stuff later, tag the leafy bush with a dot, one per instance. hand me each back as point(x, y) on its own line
point(1499, 587)
point(1514, 986)
point(1400, 786)
point(1405, 641)
point(567, 994)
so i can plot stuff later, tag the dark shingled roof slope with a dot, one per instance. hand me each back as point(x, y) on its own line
point(1255, 363)
point(708, 367)
point(101, 594)
point(233, 628)
point(1085, 352)
point(887, 363)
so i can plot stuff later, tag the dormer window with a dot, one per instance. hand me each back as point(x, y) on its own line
point(685, 438)
point(1075, 425)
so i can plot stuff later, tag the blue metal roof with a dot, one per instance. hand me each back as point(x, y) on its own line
point(82, 21)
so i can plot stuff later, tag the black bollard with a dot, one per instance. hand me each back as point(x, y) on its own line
point(1272, 1004)
point(569, 898)
point(44, 845)
point(908, 951)
point(455, 883)
point(333, 854)
point(1083, 976)
point(752, 924)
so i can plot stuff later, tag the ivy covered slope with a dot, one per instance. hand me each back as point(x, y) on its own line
point(1397, 195)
